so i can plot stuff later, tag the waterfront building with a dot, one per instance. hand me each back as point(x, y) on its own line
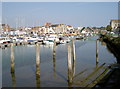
point(87, 31)
point(6, 27)
point(115, 24)
point(58, 28)
point(62, 28)
point(69, 27)
point(45, 30)
point(27, 28)
point(48, 24)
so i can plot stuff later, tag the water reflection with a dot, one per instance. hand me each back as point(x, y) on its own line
point(13, 66)
point(71, 62)
point(103, 43)
point(74, 69)
point(54, 59)
point(37, 65)
point(69, 65)
point(96, 53)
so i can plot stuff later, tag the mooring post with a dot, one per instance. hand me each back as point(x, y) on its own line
point(54, 58)
point(96, 52)
point(13, 79)
point(74, 58)
point(13, 66)
point(37, 65)
point(73, 51)
point(69, 65)
point(12, 59)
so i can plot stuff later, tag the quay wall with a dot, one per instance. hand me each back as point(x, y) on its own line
point(113, 44)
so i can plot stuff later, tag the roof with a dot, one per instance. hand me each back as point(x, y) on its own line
point(82, 29)
point(115, 21)
point(88, 28)
point(3, 24)
point(69, 25)
point(55, 25)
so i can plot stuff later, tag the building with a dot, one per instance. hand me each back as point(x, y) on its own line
point(48, 24)
point(87, 31)
point(59, 28)
point(69, 27)
point(115, 24)
point(6, 27)
point(55, 28)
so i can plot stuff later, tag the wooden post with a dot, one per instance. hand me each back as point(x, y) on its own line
point(73, 69)
point(73, 50)
point(74, 58)
point(37, 65)
point(96, 52)
point(54, 58)
point(13, 79)
point(12, 59)
point(13, 66)
point(69, 65)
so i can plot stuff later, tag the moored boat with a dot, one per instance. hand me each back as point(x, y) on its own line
point(5, 40)
point(50, 39)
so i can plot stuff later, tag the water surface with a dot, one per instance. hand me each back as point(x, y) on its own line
point(53, 67)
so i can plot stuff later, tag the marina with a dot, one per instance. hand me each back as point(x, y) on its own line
point(60, 44)
point(46, 40)
point(64, 65)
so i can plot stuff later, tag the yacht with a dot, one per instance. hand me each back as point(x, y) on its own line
point(50, 39)
point(4, 40)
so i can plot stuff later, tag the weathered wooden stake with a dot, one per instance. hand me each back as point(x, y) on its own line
point(13, 79)
point(69, 65)
point(37, 65)
point(54, 58)
point(96, 52)
point(13, 66)
point(12, 59)
point(74, 58)
point(73, 50)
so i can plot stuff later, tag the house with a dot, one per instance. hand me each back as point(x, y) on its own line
point(48, 24)
point(6, 27)
point(87, 31)
point(114, 24)
point(69, 27)
point(59, 28)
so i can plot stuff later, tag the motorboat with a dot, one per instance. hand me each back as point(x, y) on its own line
point(51, 39)
point(4, 40)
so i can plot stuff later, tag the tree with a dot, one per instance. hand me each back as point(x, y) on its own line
point(108, 28)
point(102, 28)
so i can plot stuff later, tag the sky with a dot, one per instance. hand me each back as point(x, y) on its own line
point(60, 0)
point(77, 14)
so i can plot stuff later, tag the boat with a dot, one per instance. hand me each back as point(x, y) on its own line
point(31, 39)
point(50, 39)
point(63, 40)
point(40, 39)
point(4, 40)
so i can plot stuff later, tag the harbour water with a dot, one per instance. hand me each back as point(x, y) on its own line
point(47, 66)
